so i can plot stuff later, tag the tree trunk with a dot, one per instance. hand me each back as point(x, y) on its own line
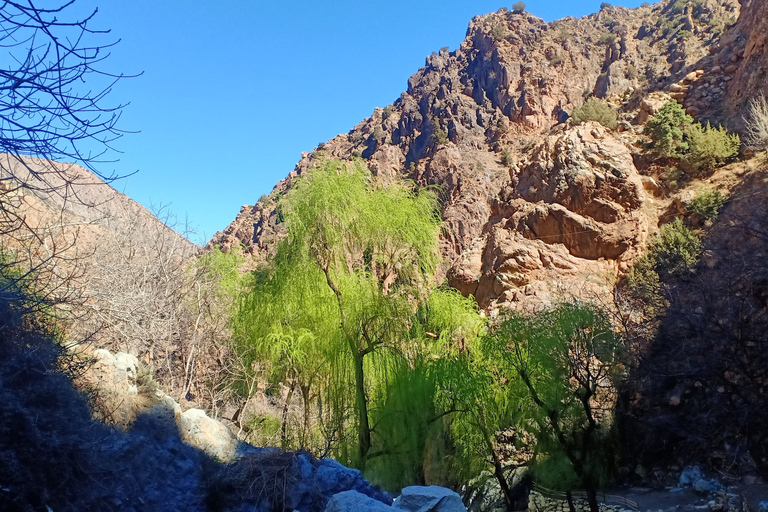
point(569, 498)
point(305, 434)
point(589, 488)
point(498, 471)
point(364, 429)
point(284, 429)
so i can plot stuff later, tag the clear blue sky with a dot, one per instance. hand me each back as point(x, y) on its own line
point(233, 91)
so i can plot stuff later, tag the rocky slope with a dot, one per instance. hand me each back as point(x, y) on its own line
point(534, 209)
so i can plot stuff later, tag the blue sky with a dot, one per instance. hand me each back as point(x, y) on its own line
point(233, 91)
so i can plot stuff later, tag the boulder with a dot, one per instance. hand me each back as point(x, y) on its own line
point(211, 436)
point(429, 499)
point(353, 501)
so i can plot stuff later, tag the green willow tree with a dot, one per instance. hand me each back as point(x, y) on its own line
point(344, 285)
point(563, 365)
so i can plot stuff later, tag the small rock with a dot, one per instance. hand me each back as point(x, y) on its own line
point(703, 485)
point(690, 475)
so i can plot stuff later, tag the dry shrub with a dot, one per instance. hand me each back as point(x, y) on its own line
point(265, 476)
point(756, 120)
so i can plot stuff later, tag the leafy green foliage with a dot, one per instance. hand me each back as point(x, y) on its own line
point(333, 310)
point(711, 147)
point(675, 251)
point(562, 366)
point(707, 203)
point(667, 127)
point(595, 109)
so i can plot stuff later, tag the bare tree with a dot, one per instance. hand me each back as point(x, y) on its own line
point(53, 107)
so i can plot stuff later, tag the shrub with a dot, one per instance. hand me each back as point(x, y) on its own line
point(671, 176)
point(756, 122)
point(518, 7)
point(667, 128)
point(684, 34)
point(645, 4)
point(631, 72)
point(707, 203)
point(387, 112)
point(676, 249)
point(499, 32)
point(607, 39)
point(595, 109)
point(711, 147)
point(604, 5)
point(438, 134)
point(506, 158)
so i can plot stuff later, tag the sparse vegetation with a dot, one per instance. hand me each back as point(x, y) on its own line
point(507, 158)
point(684, 34)
point(631, 72)
point(499, 32)
point(518, 7)
point(710, 147)
point(604, 5)
point(707, 203)
point(607, 39)
point(438, 134)
point(756, 124)
point(595, 109)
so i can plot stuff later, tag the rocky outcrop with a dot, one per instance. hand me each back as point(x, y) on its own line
point(571, 208)
point(745, 58)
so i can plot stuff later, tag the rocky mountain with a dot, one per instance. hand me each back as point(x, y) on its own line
point(535, 209)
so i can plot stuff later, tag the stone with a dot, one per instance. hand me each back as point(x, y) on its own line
point(125, 368)
point(353, 501)
point(690, 475)
point(211, 436)
point(762, 506)
point(433, 498)
point(705, 486)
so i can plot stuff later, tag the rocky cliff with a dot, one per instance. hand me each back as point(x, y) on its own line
point(535, 209)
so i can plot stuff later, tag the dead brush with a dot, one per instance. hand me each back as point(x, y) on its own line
point(267, 476)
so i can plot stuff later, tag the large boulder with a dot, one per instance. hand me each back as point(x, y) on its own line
point(211, 436)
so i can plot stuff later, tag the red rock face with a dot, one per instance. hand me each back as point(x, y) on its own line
point(748, 59)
